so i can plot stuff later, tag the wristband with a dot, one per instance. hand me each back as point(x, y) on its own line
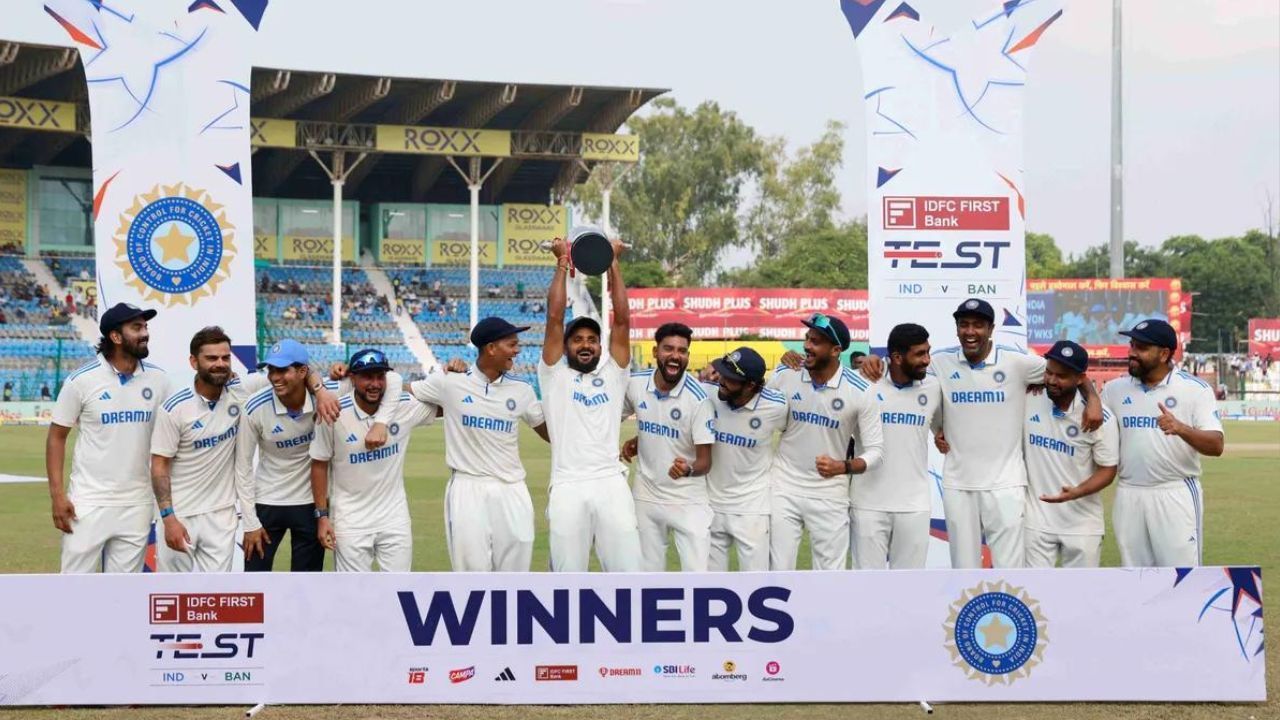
point(322, 513)
point(688, 471)
point(166, 512)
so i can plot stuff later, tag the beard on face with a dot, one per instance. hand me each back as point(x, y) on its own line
point(578, 365)
point(137, 349)
point(216, 378)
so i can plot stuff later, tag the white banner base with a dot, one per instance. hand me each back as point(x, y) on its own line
point(867, 636)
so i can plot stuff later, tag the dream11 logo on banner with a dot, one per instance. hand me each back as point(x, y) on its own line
point(574, 616)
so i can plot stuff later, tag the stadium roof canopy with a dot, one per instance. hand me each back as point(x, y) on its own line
point(334, 110)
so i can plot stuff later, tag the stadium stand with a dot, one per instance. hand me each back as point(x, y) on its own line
point(34, 334)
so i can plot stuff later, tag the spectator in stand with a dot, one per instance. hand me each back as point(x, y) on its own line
point(8, 392)
point(45, 394)
point(4, 320)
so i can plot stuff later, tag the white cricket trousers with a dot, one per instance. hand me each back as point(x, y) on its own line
point(391, 548)
point(1160, 526)
point(828, 524)
point(996, 514)
point(212, 547)
point(1044, 549)
point(691, 526)
point(899, 538)
point(110, 538)
point(750, 533)
point(488, 524)
point(593, 512)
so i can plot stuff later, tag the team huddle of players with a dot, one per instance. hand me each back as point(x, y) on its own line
point(744, 462)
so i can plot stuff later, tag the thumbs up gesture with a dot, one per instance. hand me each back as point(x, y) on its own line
point(1168, 422)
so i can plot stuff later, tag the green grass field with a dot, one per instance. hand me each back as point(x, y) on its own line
point(1242, 506)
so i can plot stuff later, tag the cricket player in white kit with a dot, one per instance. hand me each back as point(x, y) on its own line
point(488, 512)
point(984, 477)
point(105, 515)
point(747, 416)
point(362, 513)
point(828, 404)
point(675, 424)
point(583, 391)
point(890, 504)
point(1066, 466)
point(1168, 419)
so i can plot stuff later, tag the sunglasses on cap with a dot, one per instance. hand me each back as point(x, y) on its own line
point(823, 323)
point(732, 362)
point(371, 358)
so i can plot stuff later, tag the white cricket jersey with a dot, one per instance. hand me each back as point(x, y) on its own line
point(1148, 457)
point(366, 487)
point(669, 425)
point(908, 415)
point(111, 461)
point(482, 421)
point(200, 436)
point(584, 412)
point(1061, 454)
point(983, 408)
point(738, 483)
point(822, 419)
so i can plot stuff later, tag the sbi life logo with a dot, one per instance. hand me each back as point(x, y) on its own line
point(995, 633)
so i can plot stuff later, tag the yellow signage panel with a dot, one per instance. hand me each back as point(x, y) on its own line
point(396, 251)
point(264, 247)
point(316, 249)
point(443, 141)
point(458, 252)
point(37, 114)
point(526, 227)
point(269, 132)
point(13, 210)
point(618, 148)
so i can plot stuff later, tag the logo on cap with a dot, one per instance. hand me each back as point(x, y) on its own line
point(971, 304)
point(1067, 352)
point(735, 356)
point(1142, 325)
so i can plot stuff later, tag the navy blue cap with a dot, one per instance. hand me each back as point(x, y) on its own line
point(976, 307)
point(580, 322)
point(121, 313)
point(368, 360)
point(741, 365)
point(492, 329)
point(285, 353)
point(831, 326)
point(1154, 332)
point(1069, 354)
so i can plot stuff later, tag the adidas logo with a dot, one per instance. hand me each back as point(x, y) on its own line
point(468, 400)
point(796, 397)
point(1035, 418)
point(197, 425)
point(277, 430)
point(955, 375)
point(880, 397)
point(352, 438)
point(505, 676)
point(1127, 401)
point(105, 396)
point(644, 405)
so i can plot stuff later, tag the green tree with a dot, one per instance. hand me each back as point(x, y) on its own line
point(1044, 259)
point(831, 258)
point(679, 205)
point(797, 196)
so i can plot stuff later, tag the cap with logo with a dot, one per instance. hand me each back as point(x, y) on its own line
point(121, 313)
point(975, 307)
point(833, 327)
point(741, 365)
point(492, 329)
point(581, 322)
point(285, 353)
point(368, 360)
point(1069, 354)
point(1154, 332)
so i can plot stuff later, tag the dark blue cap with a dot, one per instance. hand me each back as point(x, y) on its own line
point(121, 313)
point(492, 329)
point(1154, 332)
point(741, 365)
point(580, 322)
point(976, 307)
point(831, 326)
point(285, 353)
point(368, 360)
point(1069, 354)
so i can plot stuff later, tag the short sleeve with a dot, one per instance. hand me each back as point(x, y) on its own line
point(1106, 449)
point(430, 389)
point(321, 447)
point(253, 382)
point(704, 423)
point(66, 411)
point(1035, 366)
point(166, 433)
point(533, 415)
point(1205, 414)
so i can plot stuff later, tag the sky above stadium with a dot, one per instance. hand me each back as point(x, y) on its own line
point(1202, 85)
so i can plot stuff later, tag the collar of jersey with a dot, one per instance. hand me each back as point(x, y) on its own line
point(281, 409)
point(211, 404)
point(990, 359)
point(481, 381)
point(1168, 379)
point(599, 366)
point(1072, 413)
point(651, 386)
point(834, 382)
point(124, 379)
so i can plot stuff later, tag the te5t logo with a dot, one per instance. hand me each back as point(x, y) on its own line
point(933, 254)
point(194, 646)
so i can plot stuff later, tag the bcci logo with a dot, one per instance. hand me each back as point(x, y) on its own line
point(511, 404)
point(755, 423)
point(837, 404)
point(174, 245)
point(1171, 403)
point(1073, 431)
point(923, 399)
point(394, 428)
point(146, 393)
point(995, 633)
point(998, 376)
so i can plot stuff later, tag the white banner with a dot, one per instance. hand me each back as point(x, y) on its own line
point(173, 221)
point(868, 636)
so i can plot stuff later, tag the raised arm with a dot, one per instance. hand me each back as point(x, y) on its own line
point(553, 340)
point(620, 324)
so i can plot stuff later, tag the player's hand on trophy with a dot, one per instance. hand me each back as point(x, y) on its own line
point(940, 442)
point(376, 437)
point(337, 371)
point(872, 368)
point(175, 534)
point(559, 248)
point(324, 533)
point(630, 449)
point(680, 468)
point(256, 541)
point(327, 407)
point(618, 247)
point(456, 365)
point(64, 513)
point(792, 360)
point(829, 467)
